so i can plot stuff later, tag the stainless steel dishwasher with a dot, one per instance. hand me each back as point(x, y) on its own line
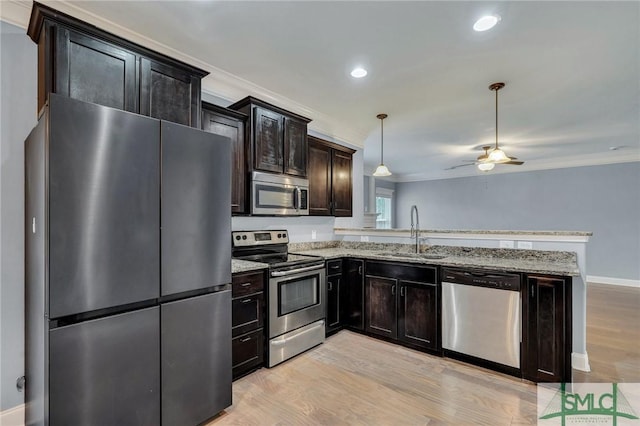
point(481, 315)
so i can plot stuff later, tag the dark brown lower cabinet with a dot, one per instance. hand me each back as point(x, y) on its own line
point(403, 303)
point(547, 329)
point(247, 352)
point(382, 318)
point(247, 321)
point(418, 315)
point(336, 296)
point(354, 281)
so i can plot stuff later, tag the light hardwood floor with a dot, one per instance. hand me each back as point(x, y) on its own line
point(354, 379)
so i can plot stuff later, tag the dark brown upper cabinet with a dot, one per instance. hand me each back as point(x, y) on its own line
point(225, 122)
point(330, 181)
point(276, 138)
point(169, 93)
point(83, 62)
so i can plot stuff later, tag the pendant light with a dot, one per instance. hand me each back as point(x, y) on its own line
point(381, 170)
point(497, 156)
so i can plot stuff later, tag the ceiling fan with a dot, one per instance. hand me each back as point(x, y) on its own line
point(491, 157)
point(482, 160)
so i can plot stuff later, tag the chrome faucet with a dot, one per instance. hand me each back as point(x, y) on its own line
point(415, 229)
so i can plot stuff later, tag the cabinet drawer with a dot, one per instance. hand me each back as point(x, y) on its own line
point(403, 271)
point(243, 284)
point(334, 267)
point(247, 351)
point(246, 313)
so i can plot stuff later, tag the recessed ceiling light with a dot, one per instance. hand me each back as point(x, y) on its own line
point(358, 72)
point(486, 22)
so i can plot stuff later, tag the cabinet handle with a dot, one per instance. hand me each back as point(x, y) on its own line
point(335, 267)
point(402, 291)
point(245, 284)
point(393, 289)
point(359, 270)
point(532, 291)
point(246, 339)
point(246, 301)
point(330, 288)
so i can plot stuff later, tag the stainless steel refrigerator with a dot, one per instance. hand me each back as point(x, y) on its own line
point(128, 269)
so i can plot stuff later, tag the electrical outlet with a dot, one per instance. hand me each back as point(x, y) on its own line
point(314, 234)
point(526, 245)
point(364, 238)
point(506, 244)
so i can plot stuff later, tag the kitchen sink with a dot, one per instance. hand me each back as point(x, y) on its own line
point(415, 255)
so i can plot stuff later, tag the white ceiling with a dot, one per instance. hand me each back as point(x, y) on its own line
point(572, 72)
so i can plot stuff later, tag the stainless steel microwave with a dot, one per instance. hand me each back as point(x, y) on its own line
point(273, 194)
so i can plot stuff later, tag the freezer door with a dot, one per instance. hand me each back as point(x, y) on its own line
point(196, 358)
point(104, 219)
point(106, 371)
point(196, 209)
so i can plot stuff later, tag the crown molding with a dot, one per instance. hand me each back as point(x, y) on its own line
point(599, 159)
point(219, 83)
point(16, 12)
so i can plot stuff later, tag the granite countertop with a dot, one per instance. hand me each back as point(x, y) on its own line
point(531, 261)
point(245, 266)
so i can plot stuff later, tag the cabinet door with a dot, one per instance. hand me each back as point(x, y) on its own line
point(354, 313)
point(334, 284)
point(295, 147)
point(319, 179)
point(106, 371)
point(268, 136)
point(196, 358)
point(381, 306)
point(94, 71)
point(341, 184)
point(418, 314)
point(169, 93)
point(234, 130)
point(548, 329)
point(247, 313)
point(248, 352)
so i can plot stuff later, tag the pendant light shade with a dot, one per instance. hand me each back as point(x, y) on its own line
point(382, 170)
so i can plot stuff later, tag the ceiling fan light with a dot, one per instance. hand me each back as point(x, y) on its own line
point(498, 156)
point(486, 22)
point(485, 167)
point(382, 171)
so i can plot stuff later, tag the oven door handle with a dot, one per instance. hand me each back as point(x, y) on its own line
point(296, 271)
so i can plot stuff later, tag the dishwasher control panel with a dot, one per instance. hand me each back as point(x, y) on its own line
point(490, 279)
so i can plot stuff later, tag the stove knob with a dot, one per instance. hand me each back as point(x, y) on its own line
point(237, 237)
point(279, 235)
point(284, 235)
point(244, 237)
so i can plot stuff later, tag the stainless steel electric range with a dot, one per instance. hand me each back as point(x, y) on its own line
point(296, 294)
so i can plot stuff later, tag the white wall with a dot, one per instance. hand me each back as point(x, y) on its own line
point(602, 199)
point(18, 57)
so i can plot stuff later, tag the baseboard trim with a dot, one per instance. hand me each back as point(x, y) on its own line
point(612, 281)
point(13, 416)
point(580, 361)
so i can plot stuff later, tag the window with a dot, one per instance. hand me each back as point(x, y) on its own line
point(384, 208)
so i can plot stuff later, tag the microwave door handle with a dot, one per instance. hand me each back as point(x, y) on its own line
point(296, 198)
